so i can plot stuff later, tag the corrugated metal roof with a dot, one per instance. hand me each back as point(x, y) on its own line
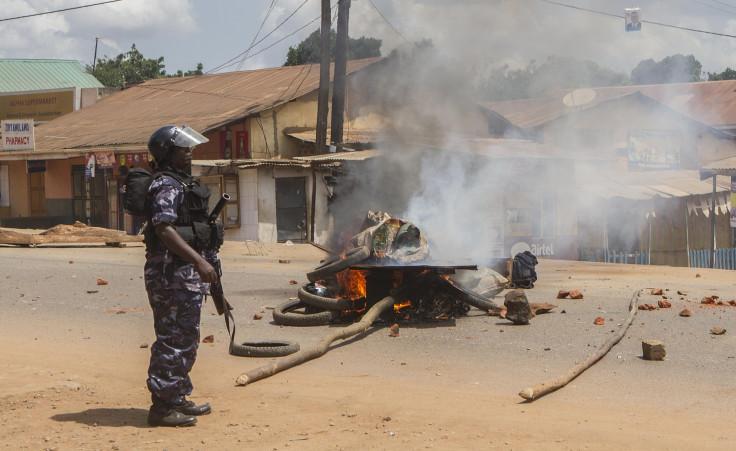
point(127, 118)
point(357, 155)
point(645, 185)
point(712, 103)
point(350, 135)
point(37, 75)
point(258, 163)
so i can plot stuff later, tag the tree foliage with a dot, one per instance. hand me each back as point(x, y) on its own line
point(133, 67)
point(503, 83)
point(309, 50)
point(728, 74)
point(671, 69)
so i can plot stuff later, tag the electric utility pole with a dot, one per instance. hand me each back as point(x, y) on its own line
point(324, 80)
point(94, 60)
point(341, 63)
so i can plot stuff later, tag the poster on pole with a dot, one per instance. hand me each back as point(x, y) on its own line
point(632, 18)
point(89, 167)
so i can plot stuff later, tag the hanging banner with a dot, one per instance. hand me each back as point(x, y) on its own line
point(732, 209)
point(632, 19)
point(89, 166)
point(654, 149)
point(105, 160)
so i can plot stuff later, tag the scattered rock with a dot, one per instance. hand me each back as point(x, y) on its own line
point(293, 282)
point(208, 339)
point(686, 313)
point(718, 331)
point(284, 261)
point(647, 307)
point(71, 262)
point(257, 316)
point(710, 300)
point(697, 275)
point(657, 292)
point(599, 321)
point(541, 307)
point(394, 331)
point(562, 294)
point(92, 291)
point(101, 282)
point(682, 293)
point(144, 345)
point(575, 294)
point(653, 349)
point(664, 304)
point(732, 303)
point(517, 307)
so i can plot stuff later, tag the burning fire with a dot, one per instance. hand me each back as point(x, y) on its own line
point(399, 305)
point(352, 282)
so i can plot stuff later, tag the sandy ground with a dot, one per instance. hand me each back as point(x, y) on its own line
point(73, 369)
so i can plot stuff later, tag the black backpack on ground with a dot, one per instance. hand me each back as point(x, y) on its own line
point(523, 273)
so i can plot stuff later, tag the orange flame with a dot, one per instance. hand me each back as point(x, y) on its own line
point(352, 283)
point(399, 305)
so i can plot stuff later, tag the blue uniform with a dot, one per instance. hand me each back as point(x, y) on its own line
point(175, 292)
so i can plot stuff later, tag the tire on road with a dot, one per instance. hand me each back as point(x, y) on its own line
point(285, 315)
point(337, 264)
point(264, 348)
point(323, 302)
point(471, 298)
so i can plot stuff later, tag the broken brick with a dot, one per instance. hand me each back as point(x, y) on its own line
point(657, 292)
point(575, 294)
point(599, 321)
point(664, 304)
point(653, 349)
point(257, 316)
point(208, 339)
point(394, 331)
point(562, 294)
point(686, 313)
point(101, 282)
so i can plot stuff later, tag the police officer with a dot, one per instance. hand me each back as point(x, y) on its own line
point(180, 266)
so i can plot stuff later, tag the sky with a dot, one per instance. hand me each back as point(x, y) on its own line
point(479, 33)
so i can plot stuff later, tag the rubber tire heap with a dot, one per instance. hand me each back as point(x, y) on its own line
point(314, 310)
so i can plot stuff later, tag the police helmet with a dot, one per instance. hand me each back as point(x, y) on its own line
point(170, 136)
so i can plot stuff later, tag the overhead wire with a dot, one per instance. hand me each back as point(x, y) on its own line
point(643, 21)
point(723, 3)
point(387, 21)
point(59, 10)
point(713, 7)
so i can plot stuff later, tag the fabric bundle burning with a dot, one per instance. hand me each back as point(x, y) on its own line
point(390, 257)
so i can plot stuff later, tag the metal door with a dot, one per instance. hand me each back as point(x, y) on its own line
point(291, 209)
point(88, 197)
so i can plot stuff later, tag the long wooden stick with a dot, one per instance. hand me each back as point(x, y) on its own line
point(549, 386)
point(320, 349)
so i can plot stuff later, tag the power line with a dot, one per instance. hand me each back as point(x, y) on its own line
point(253, 44)
point(643, 21)
point(714, 7)
point(723, 3)
point(59, 10)
point(389, 23)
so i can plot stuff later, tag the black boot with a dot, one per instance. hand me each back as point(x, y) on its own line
point(169, 418)
point(189, 408)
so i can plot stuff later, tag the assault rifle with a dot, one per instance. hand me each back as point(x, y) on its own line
point(218, 296)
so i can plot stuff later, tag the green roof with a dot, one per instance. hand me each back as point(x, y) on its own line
point(38, 75)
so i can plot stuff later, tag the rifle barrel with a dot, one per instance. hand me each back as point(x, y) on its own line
point(218, 208)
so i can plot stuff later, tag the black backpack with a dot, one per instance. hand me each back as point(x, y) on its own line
point(135, 190)
point(523, 273)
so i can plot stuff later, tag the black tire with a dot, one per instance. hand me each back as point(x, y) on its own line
point(324, 302)
point(471, 298)
point(285, 315)
point(334, 265)
point(264, 348)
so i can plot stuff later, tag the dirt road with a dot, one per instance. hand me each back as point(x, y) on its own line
point(73, 369)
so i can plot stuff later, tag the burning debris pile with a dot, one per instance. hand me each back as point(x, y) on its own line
point(390, 257)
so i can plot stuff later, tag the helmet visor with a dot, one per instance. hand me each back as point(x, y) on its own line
point(187, 137)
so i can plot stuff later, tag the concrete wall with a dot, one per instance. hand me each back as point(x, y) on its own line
point(269, 143)
point(19, 194)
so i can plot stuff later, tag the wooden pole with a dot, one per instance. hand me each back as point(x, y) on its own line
point(338, 84)
point(320, 349)
point(713, 225)
point(324, 80)
point(314, 204)
point(539, 390)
